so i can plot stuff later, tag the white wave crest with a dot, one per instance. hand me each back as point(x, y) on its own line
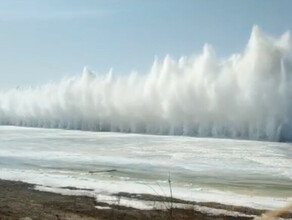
point(248, 95)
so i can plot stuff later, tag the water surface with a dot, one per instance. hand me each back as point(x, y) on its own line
point(251, 173)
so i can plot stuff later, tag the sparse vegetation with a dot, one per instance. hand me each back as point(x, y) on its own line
point(20, 200)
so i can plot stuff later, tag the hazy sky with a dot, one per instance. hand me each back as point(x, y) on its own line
point(43, 41)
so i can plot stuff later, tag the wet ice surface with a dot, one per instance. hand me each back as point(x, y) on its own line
point(249, 173)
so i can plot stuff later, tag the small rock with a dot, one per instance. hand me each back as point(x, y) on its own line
point(25, 218)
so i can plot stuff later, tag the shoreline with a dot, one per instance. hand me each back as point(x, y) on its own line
point(19, 200)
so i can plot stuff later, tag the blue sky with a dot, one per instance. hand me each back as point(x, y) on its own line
point(43, 41)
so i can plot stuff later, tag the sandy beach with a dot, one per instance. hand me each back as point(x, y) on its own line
point(20, 200)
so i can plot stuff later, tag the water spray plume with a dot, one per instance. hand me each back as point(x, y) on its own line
point(247, 95)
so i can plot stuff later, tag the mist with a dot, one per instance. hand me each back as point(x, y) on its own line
point(246, 95)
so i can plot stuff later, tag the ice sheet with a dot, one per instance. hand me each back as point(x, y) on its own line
point(249, 173)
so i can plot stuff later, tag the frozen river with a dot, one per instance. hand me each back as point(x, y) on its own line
point(240, 172)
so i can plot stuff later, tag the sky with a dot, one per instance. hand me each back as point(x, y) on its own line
point(43, 41)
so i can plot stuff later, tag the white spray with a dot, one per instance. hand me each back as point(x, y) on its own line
point(248, 95)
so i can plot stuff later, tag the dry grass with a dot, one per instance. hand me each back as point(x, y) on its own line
point(275, 213)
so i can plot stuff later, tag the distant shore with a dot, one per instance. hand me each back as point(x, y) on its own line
point(20, 200)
